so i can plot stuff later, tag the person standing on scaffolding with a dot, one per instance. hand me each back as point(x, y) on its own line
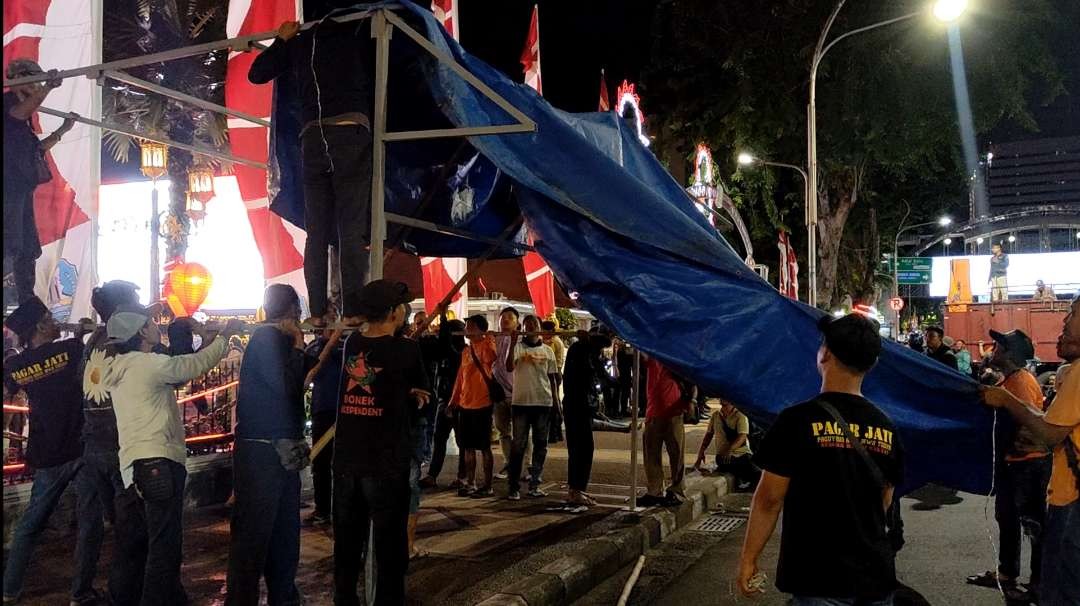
point(25, 168)
point(331, 62)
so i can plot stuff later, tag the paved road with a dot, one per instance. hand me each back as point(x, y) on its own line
point(943, 546)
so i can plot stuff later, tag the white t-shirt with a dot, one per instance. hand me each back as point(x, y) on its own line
point(532, 365)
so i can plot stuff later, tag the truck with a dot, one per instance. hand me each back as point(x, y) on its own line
point(1040, 320)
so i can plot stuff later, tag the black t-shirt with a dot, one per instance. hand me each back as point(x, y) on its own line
point(376, 409)
point(50, 376)
point(833, 542)
point(99, 429)
point(583, 376)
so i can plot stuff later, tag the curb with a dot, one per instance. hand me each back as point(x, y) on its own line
point(568, 578)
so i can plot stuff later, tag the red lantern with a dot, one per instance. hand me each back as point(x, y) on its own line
point(187, 287)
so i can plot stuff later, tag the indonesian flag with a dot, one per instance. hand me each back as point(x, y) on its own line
point(789, 268)
point(440, 274)
point(530, 56)
point(60, 34)
point(605, 102)
point(537, 273)
point(446, 12)
point(280, 243)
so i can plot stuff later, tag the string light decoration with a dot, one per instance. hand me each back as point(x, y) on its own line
point(703, 188)
point(627, 97)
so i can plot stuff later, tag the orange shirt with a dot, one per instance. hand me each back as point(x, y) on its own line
point(1065, 412)
point(1025, 387)
point(471, 388)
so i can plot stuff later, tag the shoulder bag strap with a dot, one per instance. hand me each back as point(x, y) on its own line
point(479, 366)
point(856, 443)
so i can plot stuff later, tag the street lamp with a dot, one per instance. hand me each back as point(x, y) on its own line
point(748, 159)
point(943, 10)
point(154, 163)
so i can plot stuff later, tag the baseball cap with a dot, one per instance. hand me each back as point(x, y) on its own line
point(1017, 345)
point(279, 299)
point(21, 67)
point(109, 296)
point(380, 296)
point(853, 339)
point(125, 323)
point(26, 316)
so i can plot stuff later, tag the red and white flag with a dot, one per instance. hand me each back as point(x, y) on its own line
point(789, 268)
point(605, 101)
point(441, 273)
point(446, 12)
point(280, 243)
point(60, 34)
point(537, 273)
point(530, 56)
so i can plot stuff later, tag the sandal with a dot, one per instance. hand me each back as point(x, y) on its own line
point(990, 579)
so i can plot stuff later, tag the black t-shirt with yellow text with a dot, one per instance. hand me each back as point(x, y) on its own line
point(49, 375)
point(375, 407)
point(833, 542)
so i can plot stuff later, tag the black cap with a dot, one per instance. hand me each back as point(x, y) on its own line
point(1017, 345)
point(379, 297)
point(26, 316)
point(279, 300)
point(853, 339)
point(110, 295)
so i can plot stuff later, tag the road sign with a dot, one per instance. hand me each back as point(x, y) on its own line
point(896, 303)
point(913, 270)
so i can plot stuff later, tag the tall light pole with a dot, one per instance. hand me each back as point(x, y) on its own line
point(943, 222)
point(943, 10)
point(746, 159)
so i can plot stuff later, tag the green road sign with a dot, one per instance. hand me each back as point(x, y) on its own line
point(914, 270)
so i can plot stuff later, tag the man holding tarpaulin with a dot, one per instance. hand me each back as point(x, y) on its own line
point(331, 61)
point(1060, 429)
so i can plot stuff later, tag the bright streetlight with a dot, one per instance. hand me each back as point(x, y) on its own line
point(948, 11)
point(1012, 238)
point(979, 240)
point(945, 221)
point(948, 241)
point(746, 159)
point(943, 10)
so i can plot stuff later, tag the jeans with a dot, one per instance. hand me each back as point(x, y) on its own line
point(322, 472)
point(742, 468)
point(526, 420)
point(811, 601)
point(579, 445)
point(49, 485)
point(98, 483)
point(265, 527)
point(1060, 584)
point(1020, 509)
point(337, 211)
point(443, 425)
point(660, 435)
point(149, 537)
point(421, 441)
point(382, 502)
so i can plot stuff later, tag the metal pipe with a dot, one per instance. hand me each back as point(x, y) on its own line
point(183, 97)
point(198, 149)
point(468, 131)
point(381, 31)
point(460, 233)
point(634, 396)
point(155, 261)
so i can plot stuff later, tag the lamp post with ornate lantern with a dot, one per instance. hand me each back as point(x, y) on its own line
point(154, 164)
point(200, 190)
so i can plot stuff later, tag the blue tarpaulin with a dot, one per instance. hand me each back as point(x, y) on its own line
point(616, 228)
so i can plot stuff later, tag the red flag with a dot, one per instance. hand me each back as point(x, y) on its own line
point(605, 102)
point(440, 275)
point(789, 268)
point(530, 56)
point(446, 12)
point(541, 284)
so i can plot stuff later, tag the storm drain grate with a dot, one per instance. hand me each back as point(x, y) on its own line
point(718, 523)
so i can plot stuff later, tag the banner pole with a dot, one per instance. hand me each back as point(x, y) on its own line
point(634, 397)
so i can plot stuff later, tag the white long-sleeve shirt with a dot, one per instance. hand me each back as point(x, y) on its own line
point(144, 399)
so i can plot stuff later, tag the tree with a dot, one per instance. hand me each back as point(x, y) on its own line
point(735, 75)
point(139, 27)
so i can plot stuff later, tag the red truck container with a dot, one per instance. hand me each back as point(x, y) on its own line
point(1042, 321)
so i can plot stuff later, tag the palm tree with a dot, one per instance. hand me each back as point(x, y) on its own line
point(139, 27)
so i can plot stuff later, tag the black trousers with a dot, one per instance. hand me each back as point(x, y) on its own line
point(265, 529)
point(322, 470)
point(741, 467)
point(149, 537)
point(579, 445)
point(337, 211)
point(382, 502)
point(443, 425)
point(1020, 509)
